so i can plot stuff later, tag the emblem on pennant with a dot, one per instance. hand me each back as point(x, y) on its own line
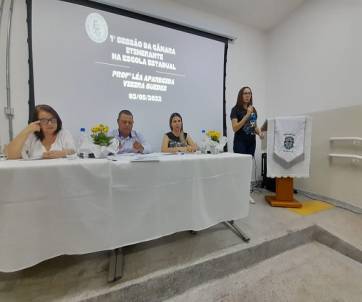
point(289, 142)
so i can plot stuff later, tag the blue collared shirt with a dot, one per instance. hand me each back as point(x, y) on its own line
point(126, 143)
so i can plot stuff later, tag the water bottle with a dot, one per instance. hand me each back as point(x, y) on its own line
point(82, 146)
point(205, 142)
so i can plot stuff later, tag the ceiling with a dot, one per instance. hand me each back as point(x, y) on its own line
point(262, 14)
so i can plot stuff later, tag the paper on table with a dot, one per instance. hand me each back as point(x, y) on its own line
point(146, 158)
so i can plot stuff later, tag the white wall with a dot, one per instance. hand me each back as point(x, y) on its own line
point(246, 56)
point(314, 64)
point(315, 58)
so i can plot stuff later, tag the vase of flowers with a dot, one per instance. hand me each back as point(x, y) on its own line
point(103, 144)
point(214, 137)
point(216, 141)
point(100, 135)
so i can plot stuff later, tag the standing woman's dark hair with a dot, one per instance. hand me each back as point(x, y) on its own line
point(239, 100)
point(243, 119)
point(35, 117)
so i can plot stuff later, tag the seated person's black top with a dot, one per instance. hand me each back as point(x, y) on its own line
point(174, 141)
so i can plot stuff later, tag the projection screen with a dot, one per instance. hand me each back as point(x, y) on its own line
point(89, 61)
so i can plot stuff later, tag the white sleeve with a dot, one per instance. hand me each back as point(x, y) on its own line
point(67, 140)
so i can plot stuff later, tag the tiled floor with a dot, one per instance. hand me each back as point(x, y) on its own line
point(311, 272)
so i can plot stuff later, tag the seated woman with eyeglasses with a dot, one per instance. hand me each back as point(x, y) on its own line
point(177, 140)
point(42, 138)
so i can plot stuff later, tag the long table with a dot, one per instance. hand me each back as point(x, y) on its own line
point(57, 207)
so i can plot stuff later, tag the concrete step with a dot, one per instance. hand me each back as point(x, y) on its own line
point(168, 283)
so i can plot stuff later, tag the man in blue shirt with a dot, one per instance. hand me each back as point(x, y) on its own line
point(130, 141)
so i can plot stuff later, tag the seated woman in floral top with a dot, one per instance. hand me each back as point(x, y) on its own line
point(177, 140)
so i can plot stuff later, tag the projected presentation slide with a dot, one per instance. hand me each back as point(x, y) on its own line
point(89, 64)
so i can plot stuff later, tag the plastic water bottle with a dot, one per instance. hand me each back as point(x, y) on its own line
point(82, 147)
point(205, 142)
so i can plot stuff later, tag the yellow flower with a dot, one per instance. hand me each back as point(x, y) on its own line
point(99, 135)
point(100, 128)
point(214, 135)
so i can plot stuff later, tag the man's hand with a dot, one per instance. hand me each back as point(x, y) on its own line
point(138, 147)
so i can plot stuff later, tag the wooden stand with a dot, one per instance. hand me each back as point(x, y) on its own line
point(284, 194)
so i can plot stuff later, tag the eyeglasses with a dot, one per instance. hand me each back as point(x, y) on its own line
point(46, 121)
point(246, 92)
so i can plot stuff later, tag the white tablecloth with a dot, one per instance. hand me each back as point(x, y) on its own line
point(54, 207)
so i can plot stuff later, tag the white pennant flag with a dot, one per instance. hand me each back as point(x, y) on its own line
point(289, 135)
